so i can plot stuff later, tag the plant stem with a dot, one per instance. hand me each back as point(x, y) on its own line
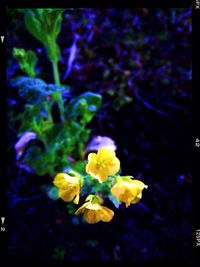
point(55, 72)
point(61, 108)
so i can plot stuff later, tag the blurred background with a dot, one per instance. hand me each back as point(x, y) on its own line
point(137, 62)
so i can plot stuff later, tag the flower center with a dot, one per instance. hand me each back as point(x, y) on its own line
point(100, 164)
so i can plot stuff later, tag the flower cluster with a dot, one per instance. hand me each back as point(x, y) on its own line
point(100, 166)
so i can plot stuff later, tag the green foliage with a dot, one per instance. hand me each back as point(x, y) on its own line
point(37, 91)
point(79, 166)
point(45, 26)
point(61, 140)
point(53, 124)
point(92, 186)
point(94, 198)
point(84, 107)
point(27, 60)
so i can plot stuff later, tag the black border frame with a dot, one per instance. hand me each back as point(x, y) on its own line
point(196, 99)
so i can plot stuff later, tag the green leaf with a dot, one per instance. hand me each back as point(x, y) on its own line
point(41, 161)
point(85, 106)
point(27, 60)
point(79, 166)
point(89, 197)
point(95, 199)
point(45, 25)
point(92, 98)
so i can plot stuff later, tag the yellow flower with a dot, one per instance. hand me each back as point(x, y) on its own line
point(69, 187)
point(94, 212)
point(127, 190)
point(102, 164)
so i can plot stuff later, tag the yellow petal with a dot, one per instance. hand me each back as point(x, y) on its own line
point(116, 191)
point(111, 168)
point(127, 204)
point(120, 191)
point(106, 214)
point(132, 191)
point(102, 176)
point(124, 192)
point(136, 200)
point(81, 209)
point(59, 180)
point(67, 195)
point(91, 168)
point(92, 216)
point(105, 152)
point(76, 200)
point(92, 156)
point(114, 166)
point(92, 206)
point(138, 184)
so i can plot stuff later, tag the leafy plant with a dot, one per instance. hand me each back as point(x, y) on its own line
point(59, 136)
point(45, 26)
point(57, 120)
point(53, 132)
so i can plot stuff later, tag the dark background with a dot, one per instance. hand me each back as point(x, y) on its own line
point(146, 112)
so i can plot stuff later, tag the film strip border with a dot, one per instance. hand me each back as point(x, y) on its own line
point(3, 127)
point(196, 123)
